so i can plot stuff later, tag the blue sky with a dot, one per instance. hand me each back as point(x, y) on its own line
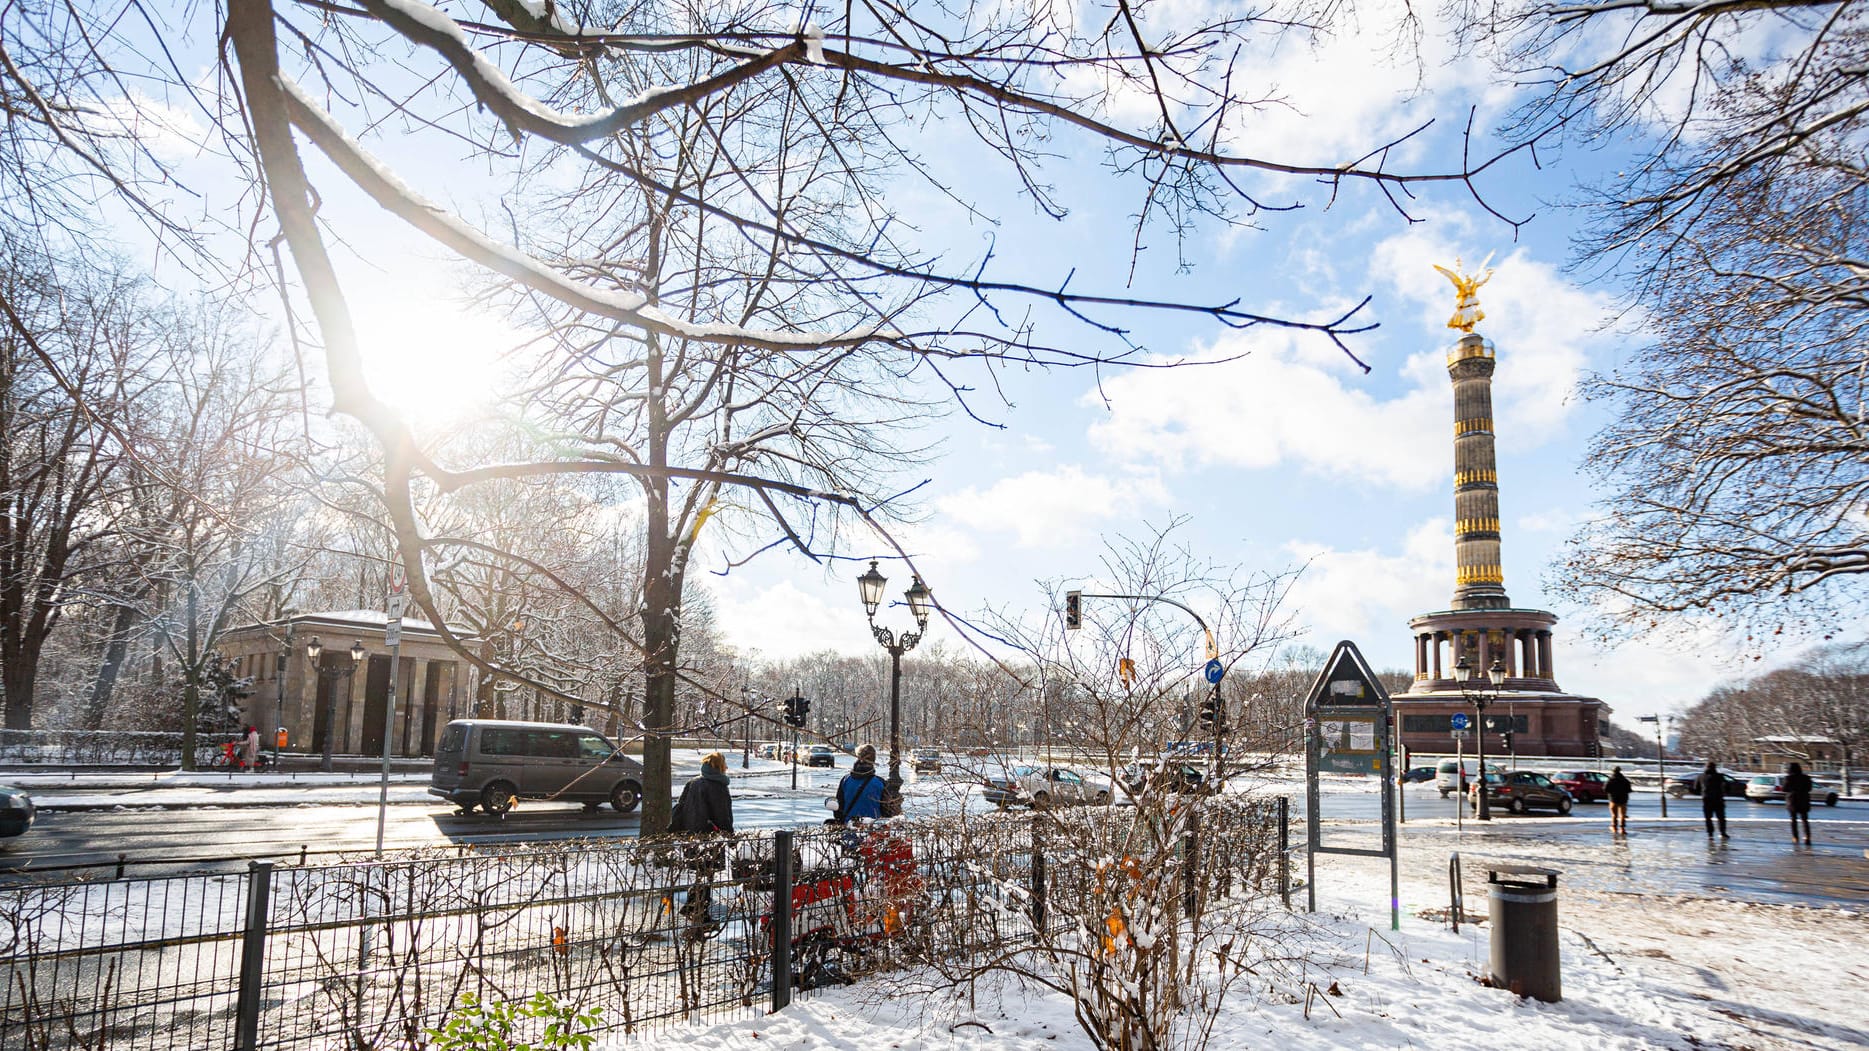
point(1289, 456)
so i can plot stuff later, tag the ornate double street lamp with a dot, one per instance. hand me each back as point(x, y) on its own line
point(1475, 693)
point(870, 588)
point(314, 649)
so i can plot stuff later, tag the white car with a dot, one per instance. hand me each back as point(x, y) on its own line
point(1772, 787)
point(1452, 776)
point(1047, 786)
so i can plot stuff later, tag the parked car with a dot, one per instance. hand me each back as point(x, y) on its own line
point(489, 763)
point(1004, 787)
point(1452, 776)
point(1771, 788)
point(1521, 790)
point(16, 812)
point(1679, 787)
point(1163, 775)
point(1043, 787)
point(927, 761)
point(821, 755)
point(1418, 774)
point(1585, 786)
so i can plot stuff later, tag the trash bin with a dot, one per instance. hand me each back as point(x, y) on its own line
point(1525, 937)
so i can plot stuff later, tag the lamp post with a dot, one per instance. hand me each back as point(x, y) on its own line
point(1476, 695)
point(279, 699)
point(314, 649)
point(1661, 769)
point(870, 588)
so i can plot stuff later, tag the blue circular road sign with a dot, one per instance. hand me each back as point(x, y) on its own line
point(1215, 672)
point(1460, 720)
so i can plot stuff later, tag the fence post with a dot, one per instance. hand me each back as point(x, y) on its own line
point(1038, 879)
point(252, 956)
point(781, 919)
point(1284, 850)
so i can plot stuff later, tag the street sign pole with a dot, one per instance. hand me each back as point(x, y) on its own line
point(392, 637)
point(1460, 781)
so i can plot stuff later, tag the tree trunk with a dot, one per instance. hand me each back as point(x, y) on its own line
point(191, 694)
point(116, 651)
point(17, 680)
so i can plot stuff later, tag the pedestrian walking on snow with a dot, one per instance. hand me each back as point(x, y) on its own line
point(1618, 788)
point(860, 793)
point(250, 749)
point(1798, 800)
point(1713, 798)
point(705, 808)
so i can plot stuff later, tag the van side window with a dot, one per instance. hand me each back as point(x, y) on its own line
point(500, 740)
point(553, 744)
point(595, 748)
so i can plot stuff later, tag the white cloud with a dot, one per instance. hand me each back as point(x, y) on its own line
point(1276, 404)
point(1290, 400)
point(1047, 508)
point(783, 620)
point(1369, 595)
point(1345, 92)
point(1545, 328)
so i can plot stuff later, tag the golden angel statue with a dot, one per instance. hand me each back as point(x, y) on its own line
point(1467, 312)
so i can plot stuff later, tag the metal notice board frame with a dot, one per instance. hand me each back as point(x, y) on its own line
point(1347, 723)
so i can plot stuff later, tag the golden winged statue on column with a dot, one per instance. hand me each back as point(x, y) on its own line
point(1467, 312)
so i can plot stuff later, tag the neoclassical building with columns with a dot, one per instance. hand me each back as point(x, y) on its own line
point(1482, 626)
point(344, 696)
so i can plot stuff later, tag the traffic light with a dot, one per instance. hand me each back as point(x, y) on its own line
point(1073, 610)
point(796, 708)
point(1508, 736)
point(1210, 712)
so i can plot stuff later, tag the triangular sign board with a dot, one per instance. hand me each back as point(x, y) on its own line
point(1346, 681)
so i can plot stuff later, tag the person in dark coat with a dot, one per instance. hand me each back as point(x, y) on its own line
point(705, 808)
point(1713, 798)
point(1618, 788)
point(860, 793)
point(1798, 800)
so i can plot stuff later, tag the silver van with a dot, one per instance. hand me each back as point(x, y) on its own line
point(491, 762)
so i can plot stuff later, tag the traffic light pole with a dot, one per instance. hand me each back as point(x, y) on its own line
point(1073, 612)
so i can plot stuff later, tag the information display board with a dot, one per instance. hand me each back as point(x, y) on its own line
point(1347, 731)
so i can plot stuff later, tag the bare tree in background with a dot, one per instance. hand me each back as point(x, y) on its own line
point(1734, 465)
point(76, 352)
point(1131, 937)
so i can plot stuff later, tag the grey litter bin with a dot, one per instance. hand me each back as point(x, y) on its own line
point(1525, 937)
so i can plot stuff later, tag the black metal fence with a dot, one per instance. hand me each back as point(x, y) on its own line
point(102, 748)
point(650, 932)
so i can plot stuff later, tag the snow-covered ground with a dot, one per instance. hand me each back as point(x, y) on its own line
point(1680, 973)
point(1639, 971)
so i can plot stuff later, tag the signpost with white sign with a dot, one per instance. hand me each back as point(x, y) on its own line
point(1347, 731)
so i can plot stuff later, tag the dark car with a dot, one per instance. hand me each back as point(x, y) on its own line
point(821, 755)
point(1585, 786)
point(16, 811)
point(1522, 790)
point(1418, 774)
point(1690, 786)
point(1168, 776)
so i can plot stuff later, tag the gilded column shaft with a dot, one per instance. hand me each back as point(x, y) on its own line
point(1479, 581)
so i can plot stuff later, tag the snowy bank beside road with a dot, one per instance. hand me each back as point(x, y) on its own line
point(1639, 972)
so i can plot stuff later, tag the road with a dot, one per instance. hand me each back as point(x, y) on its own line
point(1671, 855)
point(149, 835)
point(1663, 856)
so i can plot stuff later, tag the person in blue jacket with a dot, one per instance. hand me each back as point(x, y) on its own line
point(860, 793)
